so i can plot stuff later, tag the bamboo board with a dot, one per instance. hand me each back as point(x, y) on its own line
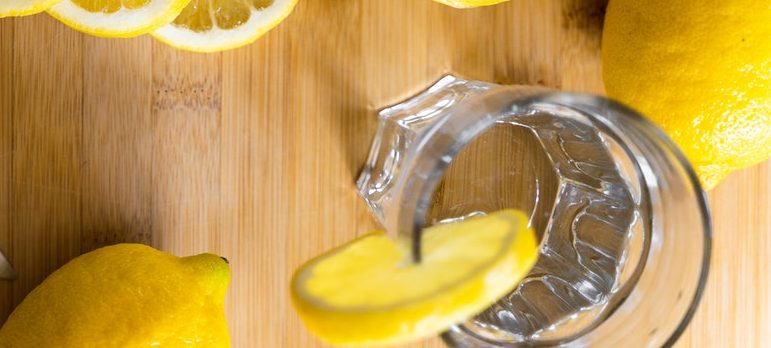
point(252, 153)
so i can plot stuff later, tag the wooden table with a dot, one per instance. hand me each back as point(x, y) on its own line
point(252, 153)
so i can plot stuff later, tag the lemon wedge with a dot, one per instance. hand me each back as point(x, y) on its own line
point(369, 292)
point(14, 8)
point(218, 25)
point(117, 18)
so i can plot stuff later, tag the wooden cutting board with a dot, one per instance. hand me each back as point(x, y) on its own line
point(252, 153)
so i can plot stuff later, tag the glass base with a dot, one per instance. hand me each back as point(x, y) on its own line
point(561, 171)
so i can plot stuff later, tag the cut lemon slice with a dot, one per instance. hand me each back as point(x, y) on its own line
point(369, 292)
point(470, 3)
point(117, 18)
point(12, 8)
point(217, 25)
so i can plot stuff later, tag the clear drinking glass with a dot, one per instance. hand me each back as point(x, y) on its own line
point(624, 226)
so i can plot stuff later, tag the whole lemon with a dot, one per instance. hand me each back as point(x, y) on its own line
point(701, 70)
point(126, 295)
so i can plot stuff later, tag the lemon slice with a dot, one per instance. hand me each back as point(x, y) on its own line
point(9, 8)
point(117, 18)
point(469, 3)
point(369, 292)
point(217, 25)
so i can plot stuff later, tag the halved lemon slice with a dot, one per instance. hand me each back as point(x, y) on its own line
point(217, 25)
point(369, 292)
point(117, 18)
point(13, 8)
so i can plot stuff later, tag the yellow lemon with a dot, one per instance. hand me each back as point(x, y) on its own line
point(126, 295)
point(116, 18)
point(701, 70)
point(469, 3)
point(217, 25)
point(370, 292)
point(12, 8)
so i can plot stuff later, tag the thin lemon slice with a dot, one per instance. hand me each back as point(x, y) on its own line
point(369, 292)
point(13, 8)
point(469, 3)
point(117, 18)
point(217, 25)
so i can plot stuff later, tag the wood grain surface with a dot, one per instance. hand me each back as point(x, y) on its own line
point(252, 153)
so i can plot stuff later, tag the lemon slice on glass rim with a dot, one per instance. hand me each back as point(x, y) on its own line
point(14, 8)
point(217, 25)
point(116, 18)
point(369, 292)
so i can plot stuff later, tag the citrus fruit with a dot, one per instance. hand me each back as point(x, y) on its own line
point(217, 25)
point(701, 70)
point(116, 18)
point(469, 3)
point(370, 292)
point(126, 295)
point(13, 8)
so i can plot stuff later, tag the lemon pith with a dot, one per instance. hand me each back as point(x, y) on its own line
point(369, 292)
point(217, 25)
point(15, 8)
point(127, 295)
point(701, 70)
